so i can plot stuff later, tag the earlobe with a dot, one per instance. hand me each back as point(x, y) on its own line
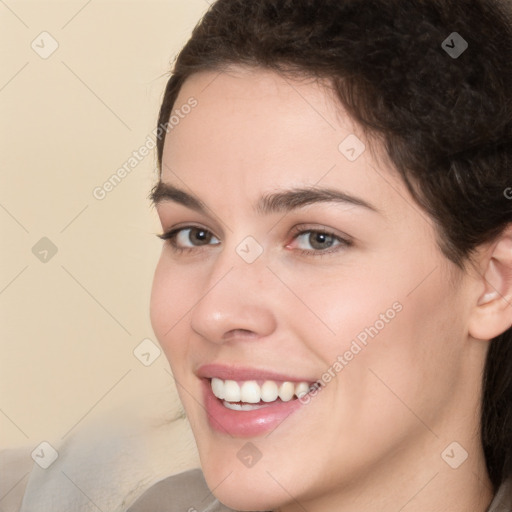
point(492, 314)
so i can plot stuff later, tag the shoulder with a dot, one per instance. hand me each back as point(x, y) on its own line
point(184, 492)
point(503, 499)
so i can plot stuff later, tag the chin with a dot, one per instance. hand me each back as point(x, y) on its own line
point(244, 489)
point(243, 498)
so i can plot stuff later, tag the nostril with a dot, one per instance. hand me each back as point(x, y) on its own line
point(239, 333)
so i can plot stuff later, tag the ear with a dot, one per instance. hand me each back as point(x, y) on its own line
point(492, 313)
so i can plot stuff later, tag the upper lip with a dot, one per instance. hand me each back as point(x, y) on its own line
point(243, 373)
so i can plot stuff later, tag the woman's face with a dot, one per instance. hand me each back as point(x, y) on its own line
point(302, 258)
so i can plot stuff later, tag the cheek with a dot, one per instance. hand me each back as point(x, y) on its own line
point(339, 304)
point(171, 299)
point(386, 329)
point(410, 363)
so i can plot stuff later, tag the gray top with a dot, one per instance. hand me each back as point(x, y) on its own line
point(188, 491)
point(179, 493)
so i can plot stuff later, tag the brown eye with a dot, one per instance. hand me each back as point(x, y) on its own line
point(198, 236)
point(189, 237)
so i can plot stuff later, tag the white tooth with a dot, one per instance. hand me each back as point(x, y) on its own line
point(233, 407)
point(218, 387)
point(231, 391)
point(242, 407)
point(269, 391)
point(250, 392)
point(302, 388)
point(286, 391)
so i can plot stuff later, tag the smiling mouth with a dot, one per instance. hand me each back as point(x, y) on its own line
point(250, 395)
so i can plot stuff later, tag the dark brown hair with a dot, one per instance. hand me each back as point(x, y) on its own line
point(444, 120)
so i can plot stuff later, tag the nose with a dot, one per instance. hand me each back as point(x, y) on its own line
point(237, 302)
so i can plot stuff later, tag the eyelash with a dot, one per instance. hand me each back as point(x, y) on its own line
point(170, 237)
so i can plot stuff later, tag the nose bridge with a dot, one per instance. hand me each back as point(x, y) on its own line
point(236, 296)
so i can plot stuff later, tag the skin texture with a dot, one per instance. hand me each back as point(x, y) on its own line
point(373, 437)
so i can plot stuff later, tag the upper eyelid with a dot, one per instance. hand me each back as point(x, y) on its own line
point(166, 208)
point(175, 230)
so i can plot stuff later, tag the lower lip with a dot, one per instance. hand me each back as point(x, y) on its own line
point(245, 423)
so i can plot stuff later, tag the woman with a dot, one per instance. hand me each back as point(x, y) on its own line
point(334, 293)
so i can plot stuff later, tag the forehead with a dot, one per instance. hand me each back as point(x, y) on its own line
point(252, 105)
point(253, 130)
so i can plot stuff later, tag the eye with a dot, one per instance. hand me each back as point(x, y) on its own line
point(315, 242)
point(319, 241)
point(189, 237)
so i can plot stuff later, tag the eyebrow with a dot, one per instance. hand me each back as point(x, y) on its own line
point(280, 201)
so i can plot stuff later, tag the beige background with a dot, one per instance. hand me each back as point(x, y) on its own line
point(69, 325)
